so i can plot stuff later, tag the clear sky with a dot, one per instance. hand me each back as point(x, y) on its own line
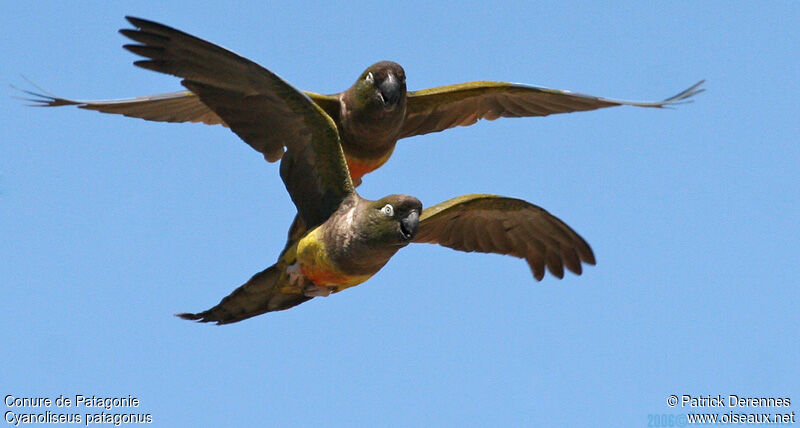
point(109, 225)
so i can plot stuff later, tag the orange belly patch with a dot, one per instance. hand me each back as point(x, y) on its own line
point(360, 167)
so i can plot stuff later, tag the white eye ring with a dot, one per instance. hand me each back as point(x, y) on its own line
point(370, 78)
point(388, 210)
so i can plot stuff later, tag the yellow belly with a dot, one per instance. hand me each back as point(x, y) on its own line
point(317, 266)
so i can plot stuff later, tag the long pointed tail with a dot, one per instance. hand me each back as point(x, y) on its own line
point(266, 291)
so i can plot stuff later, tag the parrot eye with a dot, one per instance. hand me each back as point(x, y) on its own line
point(370, 78)
point(388, 210)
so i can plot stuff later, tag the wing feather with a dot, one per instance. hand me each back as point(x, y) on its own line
point(175, 107)
point(499, 240)
point(260, 107)
point(571, 260)
point(437, 109)
point(555, 265)
point(496, 224)
point(537, 266)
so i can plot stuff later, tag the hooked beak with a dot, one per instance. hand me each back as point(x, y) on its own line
point(409, 225)
point(389, 91)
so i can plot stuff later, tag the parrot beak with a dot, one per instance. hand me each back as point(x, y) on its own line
point(390, 91)
point(409, 225)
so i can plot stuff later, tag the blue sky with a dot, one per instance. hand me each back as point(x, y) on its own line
point(109, 225)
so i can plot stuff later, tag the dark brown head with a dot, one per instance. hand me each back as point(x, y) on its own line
point(394, 219)
point(381, 87)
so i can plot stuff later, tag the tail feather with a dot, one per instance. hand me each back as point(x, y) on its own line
point(266, 291)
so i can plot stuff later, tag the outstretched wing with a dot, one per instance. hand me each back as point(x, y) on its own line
point(496, 224)
point(261, 108)
point(266, 291)
point(182, 106)
point(437, 109)
point(176, 107)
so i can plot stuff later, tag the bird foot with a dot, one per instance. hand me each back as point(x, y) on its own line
point(313, 290)
point(296, 277)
